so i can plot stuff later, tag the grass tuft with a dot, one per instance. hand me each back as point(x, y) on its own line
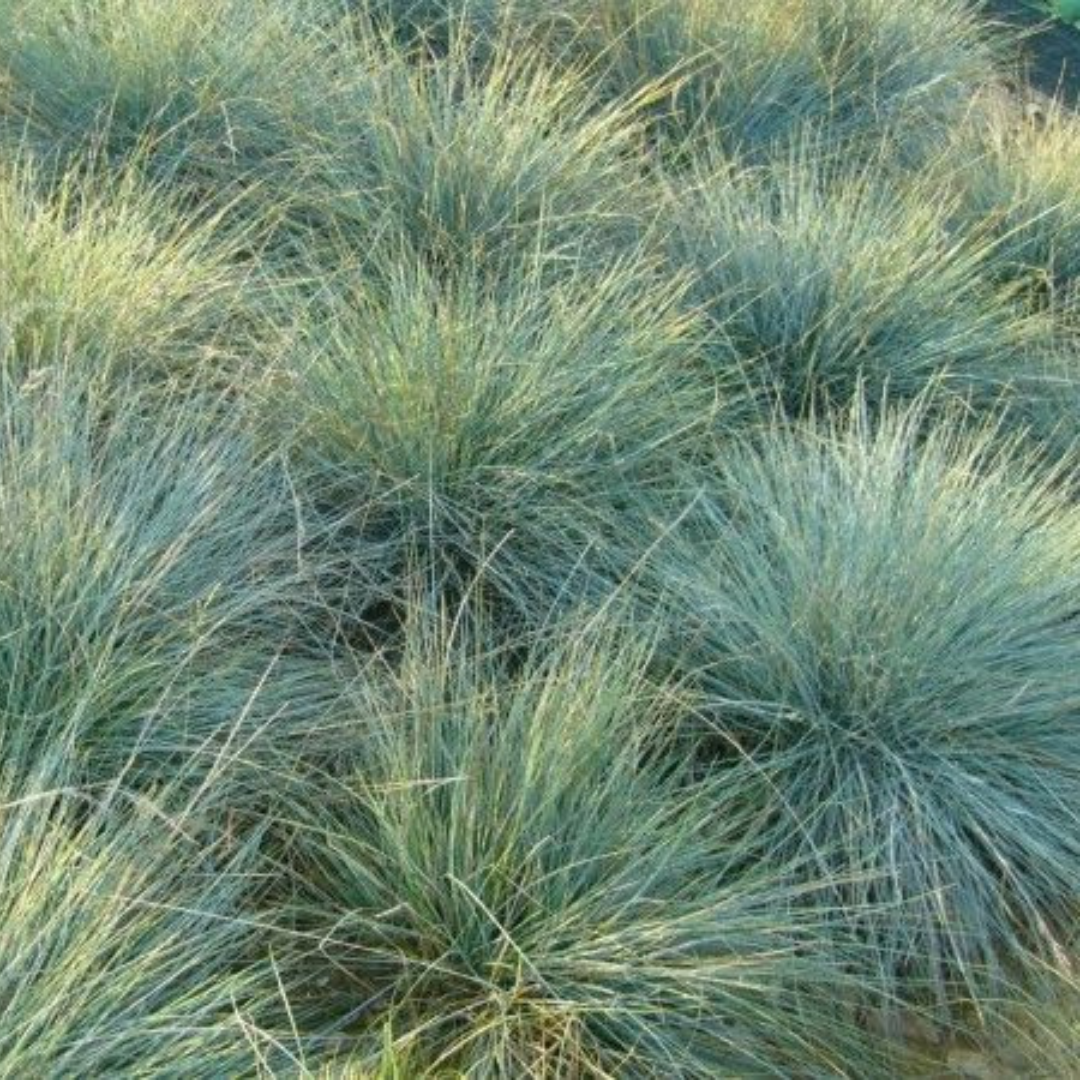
point(480, 167)
point(1020, 189)
point(145, 582)
point(752, 76)
point(320, 319)
point(816, 284)
point(513, 883)
point(123, 940)
point(103, 269)
point(498, 434)
point(195, 85)
point(884, 620)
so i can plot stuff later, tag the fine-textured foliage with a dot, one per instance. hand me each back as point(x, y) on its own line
point(473, 167)
point(250, 107)
point(886, 621)
point(123, 941)
point(320, 319)
point(1013, 174)
point(1018, 184)
point(237, 105)
point(757, 74)
point(144, 575)
point(105, 271)
point(816, 283)
point(515, 885)
point(754, 74)
point(494, 433)
point(196, 87)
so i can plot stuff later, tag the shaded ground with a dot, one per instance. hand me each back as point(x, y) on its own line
point(1051, 50)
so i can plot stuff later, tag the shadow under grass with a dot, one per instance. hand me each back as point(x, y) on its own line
point(1050, 49)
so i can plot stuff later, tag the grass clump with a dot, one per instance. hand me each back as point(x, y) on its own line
point(756, 77)
point(185, 77)
point(315, 133)
point(1020, 190)
point(753, 76)
point(884, 619)
point(1011, 172)
point(225, 101)
point(102, 270)
point(122, 945)
point(494, 433)
point(511, 882)
point(816, 284)
point(474, 167)
point(145, 581)
point(322, 318)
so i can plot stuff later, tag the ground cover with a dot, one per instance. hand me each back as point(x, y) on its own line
point(539, 539)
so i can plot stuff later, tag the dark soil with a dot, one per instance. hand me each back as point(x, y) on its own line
point(1050, 50)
